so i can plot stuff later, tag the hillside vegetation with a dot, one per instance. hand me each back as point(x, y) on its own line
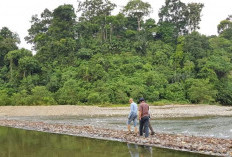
point(89, 56)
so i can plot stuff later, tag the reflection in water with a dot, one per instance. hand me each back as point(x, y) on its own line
point(24, 143)
point(134, 150)
point(147, 151)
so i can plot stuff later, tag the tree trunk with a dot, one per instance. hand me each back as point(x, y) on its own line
point(106, 33)
point(111, 30)
point(139, 23)
point(11, 69)
point(24, 73)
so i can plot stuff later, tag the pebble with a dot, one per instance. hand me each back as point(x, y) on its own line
point(205, 145)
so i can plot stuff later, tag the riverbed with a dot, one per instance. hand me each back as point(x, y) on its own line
point(204, 129)
point(213, 126)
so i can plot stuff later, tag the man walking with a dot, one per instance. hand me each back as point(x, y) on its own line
point(132, 116)
point(143, 117)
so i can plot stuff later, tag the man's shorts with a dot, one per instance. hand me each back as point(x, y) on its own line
point(133, 117)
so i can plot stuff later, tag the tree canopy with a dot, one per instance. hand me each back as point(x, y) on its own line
point(90, 56)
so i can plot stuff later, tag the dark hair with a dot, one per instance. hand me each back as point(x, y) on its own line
point(141, 99)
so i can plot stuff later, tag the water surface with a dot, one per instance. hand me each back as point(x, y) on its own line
point(219, 127)
point(24, 143)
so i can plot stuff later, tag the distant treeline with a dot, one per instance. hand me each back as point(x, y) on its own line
point(89, 56)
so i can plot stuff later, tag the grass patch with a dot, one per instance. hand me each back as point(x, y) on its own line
point(167, 102)
point(156, 103)
point(114, 105)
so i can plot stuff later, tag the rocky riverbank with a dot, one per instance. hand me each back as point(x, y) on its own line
point(204, 145)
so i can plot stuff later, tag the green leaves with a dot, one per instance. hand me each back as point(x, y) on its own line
point(138, 9)
point(4, 98)
point(103, 58)
point(41, 96)
point(225, 94)
point(194, 16)
point(8, 42)
point(201, 91)
point(69, 93)
point(182, 18)
point(95, 8)
point(175, 92)
point(28, 65)
point(196, 45)
point(84, 53)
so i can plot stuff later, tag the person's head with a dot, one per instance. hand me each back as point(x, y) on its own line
point(141, 100)
point(131, 100)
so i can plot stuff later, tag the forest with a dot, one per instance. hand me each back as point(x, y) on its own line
point(89, 56)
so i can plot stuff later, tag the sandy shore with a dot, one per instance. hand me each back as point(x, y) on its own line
point(205, 145)
point(156, 111)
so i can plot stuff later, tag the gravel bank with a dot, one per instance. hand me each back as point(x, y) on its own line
point(168, 111)
point(205, 145)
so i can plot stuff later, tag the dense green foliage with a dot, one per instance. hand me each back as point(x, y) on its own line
point(93, 57)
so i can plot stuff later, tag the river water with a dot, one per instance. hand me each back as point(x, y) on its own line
point(219, 127)
point(24, 143)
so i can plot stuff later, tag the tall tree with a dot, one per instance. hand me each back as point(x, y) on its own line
point(14, 56)
point(63, 23)
point(91, 9)
point(54, 35)
point(8, 42)
point(225, 28)
point(28, 65)
point(138, 9)
point(186, 18)
point(39, 27)
point(174, 11)
point(225, 24)
point(194, 16)
point(94, 17)
point(196, 46)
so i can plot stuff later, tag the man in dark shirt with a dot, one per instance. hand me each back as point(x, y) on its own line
point(143, 117)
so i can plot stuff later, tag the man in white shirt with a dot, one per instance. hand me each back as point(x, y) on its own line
point(132, 116)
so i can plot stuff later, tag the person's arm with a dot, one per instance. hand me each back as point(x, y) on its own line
point(131, 108)
point(140, 112)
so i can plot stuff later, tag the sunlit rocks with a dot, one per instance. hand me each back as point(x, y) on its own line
point(205, 145)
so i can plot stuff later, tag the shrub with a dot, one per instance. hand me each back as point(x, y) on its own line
point(41, 96)
point(201, 91)
point(175, 92)
point(4, 98)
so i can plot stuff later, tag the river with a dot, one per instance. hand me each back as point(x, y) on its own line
point(218, 127)
point(24, 143)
